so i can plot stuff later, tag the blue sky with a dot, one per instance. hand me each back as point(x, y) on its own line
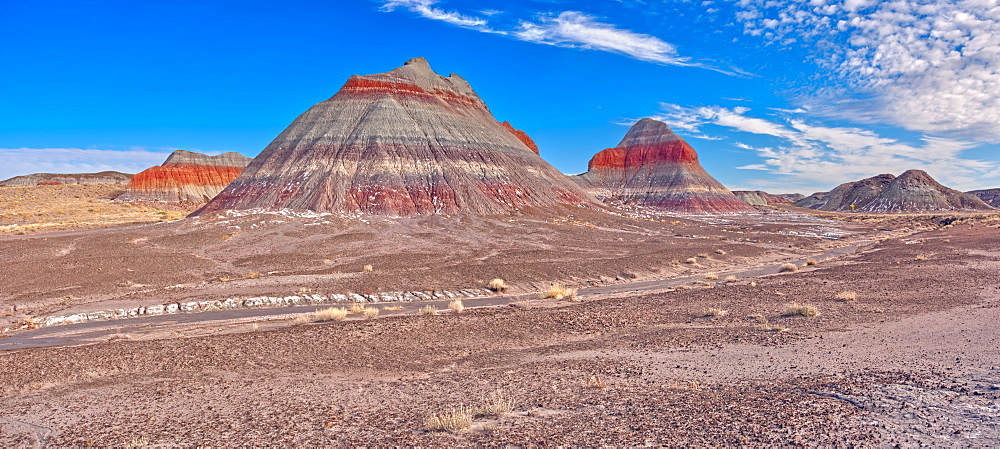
point(778, 95)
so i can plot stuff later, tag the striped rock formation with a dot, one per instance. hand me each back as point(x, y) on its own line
point(989, 196)
point(402, 143)
point(654, 167)
point(42, 179)
point(185, 177)
point(761, 198)
point(913, 191)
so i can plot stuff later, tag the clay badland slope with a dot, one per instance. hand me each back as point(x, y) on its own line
point(654, 167)
point(185, 177)
point(402, 143)
point(104, 177)
point(912, 191)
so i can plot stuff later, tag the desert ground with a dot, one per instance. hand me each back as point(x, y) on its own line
point(776, 328)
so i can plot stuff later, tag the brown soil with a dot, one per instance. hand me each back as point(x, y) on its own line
point(39, 209)
point(913, 360)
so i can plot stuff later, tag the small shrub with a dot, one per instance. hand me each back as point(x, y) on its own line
point(330, 314)
point(368, 268)
point(450, 421)
point(788, 268)
point(252, 275)
point(811, 262)
point(712, 276)
point(691, 260)
point(704, 283)
point(559, 292)
point(497, 404)
point(720, 252)
point(393, 308)
point(730, 278)
point(428, 310)
point(773, 327)
point(370, 312)
point(921, 257)
point(716, 313)
point(225, 278)
point(126, 284)
point(847, 296)
point(457, 306)
point(595, 382)
point(498, 285)
point(805, 310)
point(703, 255)
point(357, 307)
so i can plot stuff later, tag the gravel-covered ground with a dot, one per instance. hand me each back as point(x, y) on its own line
point(914, 359)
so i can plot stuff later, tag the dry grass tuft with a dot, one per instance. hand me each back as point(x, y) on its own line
point(450, 421)
point(428, 310)
point(357, 307)
point(753, 283)
point(370, 312)
point(330, 314)
point(498, 285)
point(922, 257)
point(703, 283)
point(730, 278)
point(720, 252)
point(252, 275)
point(225, 278)
point(788, 268)
point(691, 260)
point(368, 268)
point(497, 404)
point(811, 262)
point(716, 313)
point(773, 327)
point(847, 296)
point(559, 292)
point(393, 308)
point(595, 382)
point(457, 306)
point(712, 276)
point(796, 309)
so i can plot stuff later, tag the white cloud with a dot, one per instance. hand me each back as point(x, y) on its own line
point(819, 157)
point(23, 161)
point(927, 65)
point(570, 29)
point(578, 30)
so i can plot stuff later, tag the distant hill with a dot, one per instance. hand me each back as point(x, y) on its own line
point(989, 196)
point(104, 177)
point(761, 198)
point(912, 191)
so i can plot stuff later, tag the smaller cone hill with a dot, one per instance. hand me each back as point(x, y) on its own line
point(185, 177)
point(911, 192)
point(654, 167)
point(401, 143)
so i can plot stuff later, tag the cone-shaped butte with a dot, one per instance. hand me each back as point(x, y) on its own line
point(912, 191)
point(402, 143)
point(185, 177)
point(654, 167)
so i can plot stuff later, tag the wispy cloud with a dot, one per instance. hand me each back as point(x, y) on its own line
point(569, 29)
point(23, 161)
point(929, 65)
point(819, 157)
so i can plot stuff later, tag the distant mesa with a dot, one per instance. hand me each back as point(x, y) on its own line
point(185, 177)
point(989, 196)
point(104, 177)
point(912, 191)
point(761, 198)
point(402, 143)
point(654, 167)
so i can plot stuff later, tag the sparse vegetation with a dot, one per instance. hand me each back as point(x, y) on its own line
point(368, 268)
point(358, 307)
point(251, 275)
point(393, 308)
point(720, 252)
point(716, 312)
point(126, 284)
point(788, 268)
point(428, 310)
point(450, 421)
point(730, 278)
point(330, 314)
point(498, 285)
point(702, 283)
point(922, 257)
point(369, 312)
point(497, 404)
point(847, 296)
point(712, 276)
point(811, 262)
point(796, 309)
point(559, 292)
point(456, 306)
point(595, 382)
point(691, 260)
point(773, 327)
